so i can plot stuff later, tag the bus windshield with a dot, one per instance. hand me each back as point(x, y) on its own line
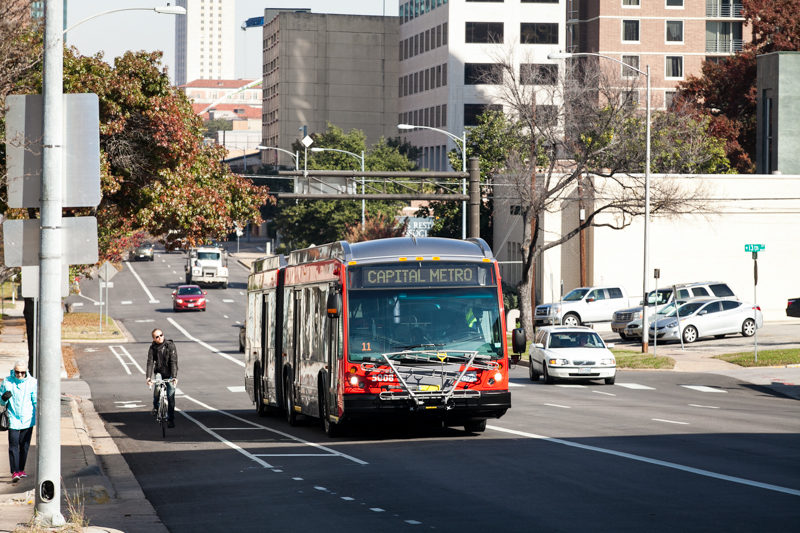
point(453, 319)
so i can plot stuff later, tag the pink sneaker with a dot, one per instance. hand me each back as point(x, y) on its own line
point(23, 474)
point(15, 477)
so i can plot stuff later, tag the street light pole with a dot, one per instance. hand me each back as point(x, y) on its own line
point(645, 302)
point(463, 147)
point(361, 160)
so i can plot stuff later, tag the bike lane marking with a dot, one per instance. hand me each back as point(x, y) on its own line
point(146, 290)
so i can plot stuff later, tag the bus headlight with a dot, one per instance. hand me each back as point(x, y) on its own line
point(469, 377)
point(498, 376)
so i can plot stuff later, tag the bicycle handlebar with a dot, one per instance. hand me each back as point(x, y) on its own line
point(159, 382)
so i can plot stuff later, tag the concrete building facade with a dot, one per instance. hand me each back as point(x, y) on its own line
point(778, 113)
point(205, 43)
point(674, 37)
point(207, 91)
point(320, 68)
point(445, 45)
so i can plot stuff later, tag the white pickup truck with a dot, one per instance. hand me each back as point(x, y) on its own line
point(207, 265)
point(584, 305)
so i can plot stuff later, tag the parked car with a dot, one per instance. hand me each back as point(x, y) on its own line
point(793, 307)
point(565, 352)
point(189, 297)
point(584, 305)
point(634, 329)
point(144, 253)
point(704, 318)
point(660, 297)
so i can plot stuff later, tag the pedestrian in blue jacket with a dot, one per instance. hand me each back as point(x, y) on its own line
point(18, 394)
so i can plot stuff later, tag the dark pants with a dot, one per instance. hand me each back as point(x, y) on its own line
point(170, 400)
point(18, 442)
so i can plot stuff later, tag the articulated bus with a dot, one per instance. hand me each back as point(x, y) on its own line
point(391, 328)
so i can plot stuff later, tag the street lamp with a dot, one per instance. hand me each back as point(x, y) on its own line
point(295, 156)
point(463, 148)
point(166, 10)
point(361, 159)
point(645, 303)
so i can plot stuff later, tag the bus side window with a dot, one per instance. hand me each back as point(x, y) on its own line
point(339, 323)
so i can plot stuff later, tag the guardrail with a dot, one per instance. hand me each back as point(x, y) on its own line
point(717, 10)
point(724, 46)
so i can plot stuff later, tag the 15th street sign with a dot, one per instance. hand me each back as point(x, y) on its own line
point(754, 247)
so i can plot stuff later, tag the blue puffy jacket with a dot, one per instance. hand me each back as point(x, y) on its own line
point(21, 406)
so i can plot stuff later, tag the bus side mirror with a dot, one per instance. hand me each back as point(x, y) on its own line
point(334, 305)
point(518, 340)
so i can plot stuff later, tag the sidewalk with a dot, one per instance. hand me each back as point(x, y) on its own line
point(93, 470)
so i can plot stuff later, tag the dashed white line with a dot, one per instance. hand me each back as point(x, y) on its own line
point(126, 302)
point(556, 405)
point(515, 385)
point(228, 301)
point(147, 320)
point(77, 304)
point(241, 293)
point(174, 272)
point(776, 488)
point(601, 392)
point(203, 344)
point(224, 441)
point(572, 386)
point(634, 386)
point(224, 316)
point(670, 421)
point(376, 509)
point(239, 388)
point(347, 498)
point(413, 522)
point(703, 388)
point(322, 489)
point(703, 406)
point(297, 478)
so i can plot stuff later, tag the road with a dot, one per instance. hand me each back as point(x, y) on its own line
point(658, 451)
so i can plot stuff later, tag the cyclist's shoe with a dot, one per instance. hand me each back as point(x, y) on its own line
point(171, 424)
point(23, 474)
point(15, 477)
point(154, 412)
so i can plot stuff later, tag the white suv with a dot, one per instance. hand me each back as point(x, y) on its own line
point(571, 352)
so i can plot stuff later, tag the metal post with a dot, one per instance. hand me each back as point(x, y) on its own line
point(100, 287)
point(35, 363)
point(48, 435)
point(108, 300)
point(755, 304)
point(464, 185)
point(363, 200)
point(474, 197)
point(645, 309)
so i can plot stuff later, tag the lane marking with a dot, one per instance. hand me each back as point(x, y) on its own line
point(227, 301)
point(297, 478)
point(131, 406)
point(376, 509)
point(225, 441)
point(77, 304)
point(572, 386)
point(703, 388)
point(146, 290)
point(321, 488)
point(281, 433)
point(128, 401)
point(87, 298)
point(601, 392)
point(633, 386)
point(123, 351)
point(347, 498)
point(703, 406)
point(174, 272)
point(225, 316)
point(148, 320)
point(126, 302)
point(510, 384)
point(238, 388)
point(413, 522)
point(203, 344)
point(670, 421)
point(657, 462)
point(294, 454)
point(556, 405)
point(240, 292)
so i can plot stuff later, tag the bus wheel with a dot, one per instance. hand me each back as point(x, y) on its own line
point(332, 429)
point(475, 426)
point(261, 408)
point(288, 404)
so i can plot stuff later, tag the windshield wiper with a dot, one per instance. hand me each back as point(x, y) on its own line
point(411, 346)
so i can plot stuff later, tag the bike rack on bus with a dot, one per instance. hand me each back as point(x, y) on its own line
point(434, 358)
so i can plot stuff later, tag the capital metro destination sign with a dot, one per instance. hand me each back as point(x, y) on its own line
point(385, 276)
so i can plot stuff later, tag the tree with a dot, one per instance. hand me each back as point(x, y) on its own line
point(726, 92)
point(158, 176)
point(309, 222)
point(582, 137)
point(380, 226)
point(211, 127)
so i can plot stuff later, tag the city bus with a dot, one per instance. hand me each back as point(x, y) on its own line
point(379, 330)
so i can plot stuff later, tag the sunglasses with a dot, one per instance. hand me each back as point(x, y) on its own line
point(158, 336)
point(17, 372)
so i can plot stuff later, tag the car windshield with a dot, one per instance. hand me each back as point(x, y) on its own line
point(453, 319)
point(208, 256)
point(667, 309)
point(659, 297)
point(575, 295)
point(189, 291)
point(575, 340)
point(688, 309)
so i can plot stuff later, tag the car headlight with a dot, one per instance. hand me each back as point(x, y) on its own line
point(673, 324)
point(636, 316)
point(608, 362)
point(201, 300)
point(557, 362)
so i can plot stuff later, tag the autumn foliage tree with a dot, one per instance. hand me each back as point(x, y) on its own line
point(726, 91)
point(380, 226)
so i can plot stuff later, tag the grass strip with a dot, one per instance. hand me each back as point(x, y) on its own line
point(86, 326)
point(627, 359)
point(785, 357)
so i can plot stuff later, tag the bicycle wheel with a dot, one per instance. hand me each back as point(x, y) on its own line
point(164, 428)
point(162, 411)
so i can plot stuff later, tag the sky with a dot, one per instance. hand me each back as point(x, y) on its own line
point(116, 33)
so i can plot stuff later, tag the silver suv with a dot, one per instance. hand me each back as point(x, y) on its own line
point(661, 297)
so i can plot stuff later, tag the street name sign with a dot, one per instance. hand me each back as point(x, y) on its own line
point(754, 247)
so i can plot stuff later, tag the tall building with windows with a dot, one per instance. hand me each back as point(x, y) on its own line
point(446, 46)
point(320, 69)
point(205, 41)
point(673, 37)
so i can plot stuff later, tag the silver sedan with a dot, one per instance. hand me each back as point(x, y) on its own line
point(705, 318)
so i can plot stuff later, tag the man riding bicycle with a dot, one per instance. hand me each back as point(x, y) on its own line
point(162, 358)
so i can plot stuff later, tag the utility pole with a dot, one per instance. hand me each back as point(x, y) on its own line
point(48, 436)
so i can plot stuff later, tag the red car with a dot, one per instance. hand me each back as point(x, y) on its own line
point(189, 297)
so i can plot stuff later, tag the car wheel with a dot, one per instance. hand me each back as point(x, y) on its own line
point(719, 336)
point(288, 403)
point(572, 320)
point(475, 426)
point(547, 378)
point(611, 380)
point(623, 336)
point(534, 375)
point(241, 348)
point(749, 327)
point(152, 258)
point(225, 285)
point(204, 309)
point(689, 334)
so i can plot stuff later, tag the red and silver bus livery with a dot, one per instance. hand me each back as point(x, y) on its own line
point(391, 328)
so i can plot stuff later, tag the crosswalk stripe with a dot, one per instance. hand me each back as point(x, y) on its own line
point(703, 388)
point(634, 386)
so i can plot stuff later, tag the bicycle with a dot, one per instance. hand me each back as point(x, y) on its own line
point(163, 403)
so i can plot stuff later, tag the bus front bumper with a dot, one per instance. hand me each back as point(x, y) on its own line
point(492, 404)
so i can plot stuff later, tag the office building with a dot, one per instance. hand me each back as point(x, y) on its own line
point(320, 69)
point(205, 40)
